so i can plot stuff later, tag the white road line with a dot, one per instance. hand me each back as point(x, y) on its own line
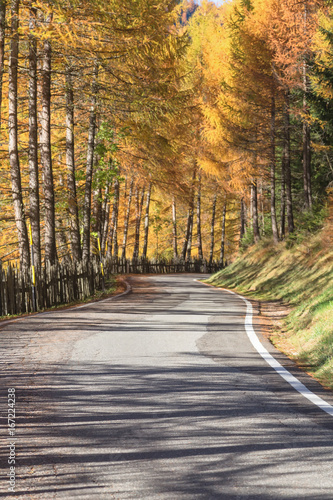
point(283, 372)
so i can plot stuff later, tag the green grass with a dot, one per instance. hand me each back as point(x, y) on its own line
point(301, 277)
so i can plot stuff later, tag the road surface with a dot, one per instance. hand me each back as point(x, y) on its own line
point(158, 394)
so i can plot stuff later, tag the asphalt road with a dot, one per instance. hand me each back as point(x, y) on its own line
point(158, 394)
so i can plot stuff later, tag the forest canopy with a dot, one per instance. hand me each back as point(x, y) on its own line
point(158, 128)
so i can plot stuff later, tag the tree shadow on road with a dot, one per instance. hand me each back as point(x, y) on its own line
point(206, 432)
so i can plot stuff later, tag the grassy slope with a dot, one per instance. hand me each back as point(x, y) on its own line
point(302, 277)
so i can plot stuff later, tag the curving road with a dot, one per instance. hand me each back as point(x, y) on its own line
point(158, 394)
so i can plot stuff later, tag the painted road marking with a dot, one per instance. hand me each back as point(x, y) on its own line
point(283, 372)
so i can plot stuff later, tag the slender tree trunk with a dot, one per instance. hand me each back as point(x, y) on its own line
point(174, 228)
point(188, 235)
point(306, 129)
point(126, 220)
point(272, 174)
point(12, 139)
point(242, 220)
point(287, 164)
point(199, 239)
point(261, 203)
point(97, 210)
point(283, 198)
point(139, 205)
point(223, 235)
point(307, 166)
point(104, 205)
point(189, 241)
point(137, 208)
point(255, 223)
point(212, 231)
point(62, 243)
point(70, 161)
point(106, 216)
point(33, 143)
point(46, 155)
point(113, 238)
point(89, 169)
point(146, 227)
point(2, 46)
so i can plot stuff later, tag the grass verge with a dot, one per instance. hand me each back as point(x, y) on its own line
point(300, 277)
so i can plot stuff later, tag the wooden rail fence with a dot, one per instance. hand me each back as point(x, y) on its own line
point(64, 283)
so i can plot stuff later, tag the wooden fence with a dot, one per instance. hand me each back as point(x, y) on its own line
point(63, 283)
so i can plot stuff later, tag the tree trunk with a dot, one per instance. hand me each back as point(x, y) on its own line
point(146, 227)
point(199, 239)
point(255, 223)
point(33, 143)
point(287, 164)
point(212, 231)
point(283, 198)
point(139, 205)
point(97, 209)
point(105, 216)
point(272, 174)
point(12, 140)
point(174, 228)
point(70, 161)
point(62, 243)
point(188, 235)
point(223, 235)
point(307, 166)
point(89, 169)
point(242, 220)
point(126, 220)
point(113, 237)
point(2, 46)
point(306, 130)
point(46, 154)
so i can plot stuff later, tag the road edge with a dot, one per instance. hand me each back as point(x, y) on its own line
point(270, 359)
